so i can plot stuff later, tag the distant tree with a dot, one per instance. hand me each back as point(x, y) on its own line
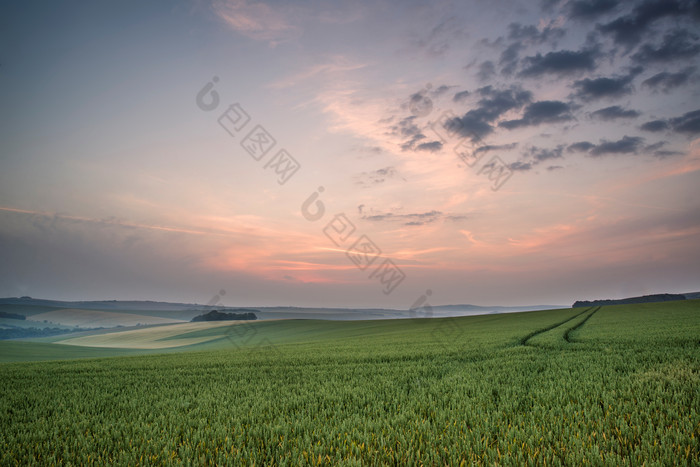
point(215, 315)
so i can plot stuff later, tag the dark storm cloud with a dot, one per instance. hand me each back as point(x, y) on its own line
point(626, 145)
point(614, 112)
point(432, 146)
point(460, 96)
point(590, 9)
point(628, 29)
point(655, 126)
point(541, 112)
point(581, 146)
point(562, 62)
point(666, 81)
point(676, 45)
point(590, 89)
point(493, 103)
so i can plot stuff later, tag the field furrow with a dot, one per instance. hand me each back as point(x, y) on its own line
point(526, 339)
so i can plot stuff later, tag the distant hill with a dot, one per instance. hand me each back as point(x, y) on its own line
point(6, 315)
point(215, 315)
point(105, 305)
point(50, 313)
point(663, 297)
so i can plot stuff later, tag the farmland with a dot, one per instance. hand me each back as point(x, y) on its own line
point(616, 385)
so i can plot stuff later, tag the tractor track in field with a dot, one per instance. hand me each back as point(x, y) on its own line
point(567, 334)
point(524, 340)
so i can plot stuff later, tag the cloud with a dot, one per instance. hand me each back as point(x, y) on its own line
point(375, 177)
point(509, 58)
point(533, 35)
point(687, 123)
point(335, 65)
point(493, 103)
point(440, 90)
point(563, 62)
point(441, 37)
point(432, 146)
point(662, 154)
point(676, 45)
point(590, 89)
point(520, 166)
point(534, 156)
point(487, 70)
point(495, 147)
point(589, 10)
point(626, 145)
point(655, 126)
point(418, 218)
point(406, 127)
point(656, 151)
point(614, 112)
point(666, 81)
point(541, 112)
point(543, 154)
point(628, 29)
point(460, 96)
point(411, 143)
point(581, 146)
point(257, 20)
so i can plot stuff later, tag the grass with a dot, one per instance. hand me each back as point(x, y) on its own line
point(624, 389)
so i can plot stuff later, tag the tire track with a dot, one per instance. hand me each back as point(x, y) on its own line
point(567, 334)
point(524, 340)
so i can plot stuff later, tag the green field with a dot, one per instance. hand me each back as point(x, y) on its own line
point(617, 385)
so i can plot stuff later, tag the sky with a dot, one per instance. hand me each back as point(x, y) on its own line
point(349, 154)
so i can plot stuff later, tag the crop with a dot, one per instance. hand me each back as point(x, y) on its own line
point(618, 385)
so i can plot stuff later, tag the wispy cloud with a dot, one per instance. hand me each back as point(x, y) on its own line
point(258, 20)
